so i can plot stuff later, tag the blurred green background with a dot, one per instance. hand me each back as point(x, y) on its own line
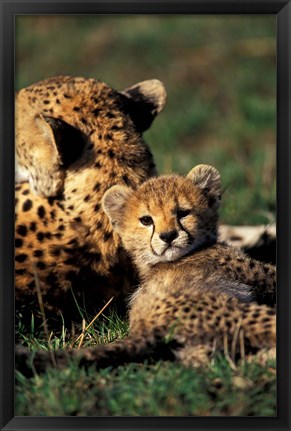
point(220, 76)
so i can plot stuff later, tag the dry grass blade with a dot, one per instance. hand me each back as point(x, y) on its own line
point(235, 338)
point(226, 353)
point(242, 344)
point(81, 336)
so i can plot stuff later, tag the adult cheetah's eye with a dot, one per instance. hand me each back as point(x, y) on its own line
point(183, 213)
point(146, 220)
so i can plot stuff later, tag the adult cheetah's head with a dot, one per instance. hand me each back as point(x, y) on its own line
point(66, 124)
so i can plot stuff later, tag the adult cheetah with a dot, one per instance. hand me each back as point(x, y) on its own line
point(75, 138)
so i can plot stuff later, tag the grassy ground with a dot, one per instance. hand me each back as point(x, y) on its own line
point(220, 77)
point(161, 389)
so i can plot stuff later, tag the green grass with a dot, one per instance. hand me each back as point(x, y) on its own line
point(161, 389)
point(220, 76)
point(105, 329)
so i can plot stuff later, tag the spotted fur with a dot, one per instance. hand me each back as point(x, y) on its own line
point(197, 295)
point(75, 138)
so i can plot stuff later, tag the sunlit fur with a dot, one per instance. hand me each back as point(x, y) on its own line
point(194, 259)
point(161, 199)
point(74, 138)
point(195, 294)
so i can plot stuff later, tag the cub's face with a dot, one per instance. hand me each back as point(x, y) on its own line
point(167, 216)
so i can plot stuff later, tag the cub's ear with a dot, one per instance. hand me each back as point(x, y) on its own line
point(144, 101)
point(113, 203)
point(207, 178)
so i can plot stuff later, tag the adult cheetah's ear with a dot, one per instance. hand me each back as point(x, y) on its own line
point(113, 203)
point(68, 140)
point(144, 101)
point(207, 178)
point(53, 145)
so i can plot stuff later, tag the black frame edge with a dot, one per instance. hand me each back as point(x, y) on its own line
point(8, 10)
point(7, 216)
point(284, 207)
point(146, 7)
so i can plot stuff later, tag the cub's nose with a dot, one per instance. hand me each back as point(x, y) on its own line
point(168, 237)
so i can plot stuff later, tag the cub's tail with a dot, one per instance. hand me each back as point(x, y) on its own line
point(118, 353)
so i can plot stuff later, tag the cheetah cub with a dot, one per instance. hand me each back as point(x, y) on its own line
point(196, 295)
point(169, 227)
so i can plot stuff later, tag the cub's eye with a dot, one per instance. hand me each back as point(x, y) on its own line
point(183, 213)
point(146, 220)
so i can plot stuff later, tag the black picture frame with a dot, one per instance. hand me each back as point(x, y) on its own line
point(11, 8)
